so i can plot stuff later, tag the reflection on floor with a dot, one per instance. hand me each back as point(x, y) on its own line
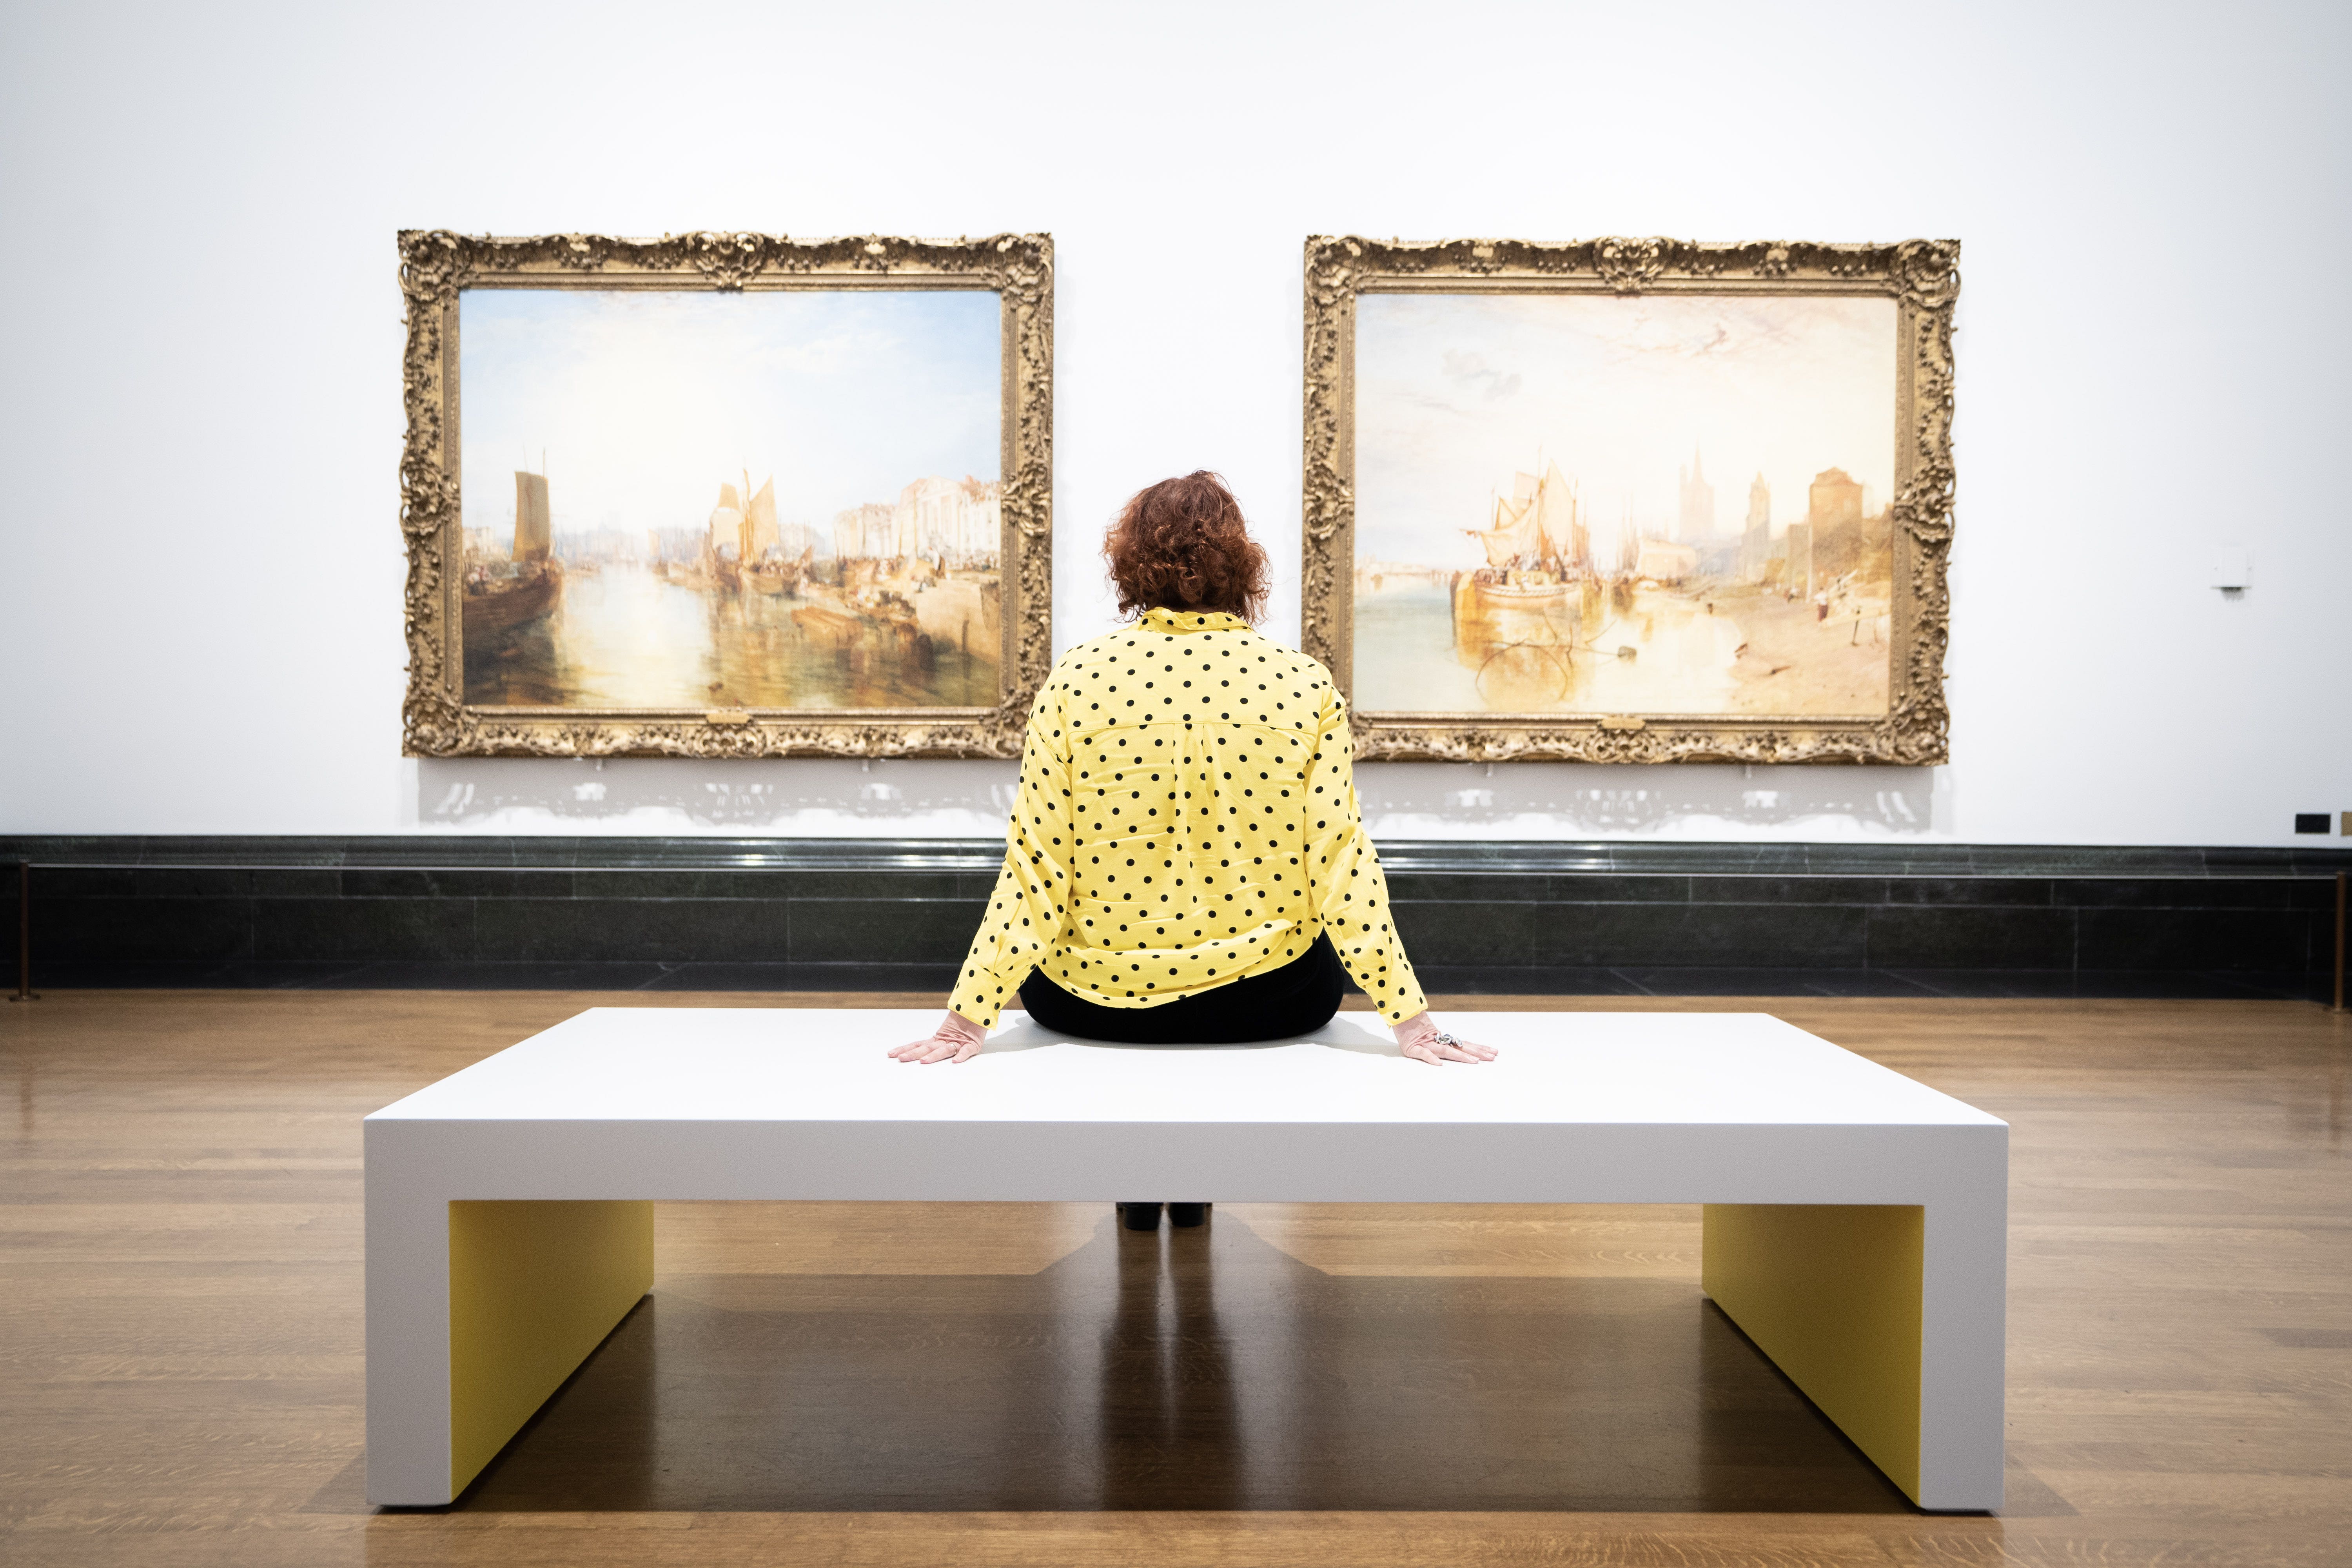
point(1198, 1369)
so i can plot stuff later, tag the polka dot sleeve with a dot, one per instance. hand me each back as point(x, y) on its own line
point(1350, 895)
point(1030, 906)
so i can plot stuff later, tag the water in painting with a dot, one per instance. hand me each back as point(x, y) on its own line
point(780, 499)
point(1669, 504)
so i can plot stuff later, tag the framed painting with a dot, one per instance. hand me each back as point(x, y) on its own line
point(726, 494)
point(1632, 499)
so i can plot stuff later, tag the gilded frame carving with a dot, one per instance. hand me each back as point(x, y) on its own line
point(1922, 277)
point(435, 264)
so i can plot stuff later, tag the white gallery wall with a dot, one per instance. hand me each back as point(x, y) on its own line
point(200, 620)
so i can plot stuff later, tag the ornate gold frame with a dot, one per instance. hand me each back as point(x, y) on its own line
point(1921, 276)
point(435, 264)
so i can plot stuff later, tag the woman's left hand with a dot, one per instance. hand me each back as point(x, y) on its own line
point(1424, 1041)
point(956, 1040)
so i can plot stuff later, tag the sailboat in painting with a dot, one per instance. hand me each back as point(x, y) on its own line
point(495, 602)
point(762, 542)
point(1515, 618)
point(1537, 530)
point(741, 545)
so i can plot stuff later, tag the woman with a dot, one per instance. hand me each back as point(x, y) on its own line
point(1185, 864)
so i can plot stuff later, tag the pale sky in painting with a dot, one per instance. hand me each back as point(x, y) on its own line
point(645, 402)
point(1455, 392)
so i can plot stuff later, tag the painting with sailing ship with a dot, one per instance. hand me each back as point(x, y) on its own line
point(762, 501)
point(1584, 503)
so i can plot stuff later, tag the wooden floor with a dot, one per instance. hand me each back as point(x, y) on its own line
point(180, 1333)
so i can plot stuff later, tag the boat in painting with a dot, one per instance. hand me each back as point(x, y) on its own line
point(1515, 618)
point(501, 597)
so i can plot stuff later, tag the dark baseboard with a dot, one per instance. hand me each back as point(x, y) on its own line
point(1537, 917)
point(927, 984)
point(1630, 856)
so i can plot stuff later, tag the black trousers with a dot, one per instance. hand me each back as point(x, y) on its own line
point(1299, 998)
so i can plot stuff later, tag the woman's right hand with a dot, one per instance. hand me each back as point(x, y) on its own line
point(956, 1040)
point(1420, 1038)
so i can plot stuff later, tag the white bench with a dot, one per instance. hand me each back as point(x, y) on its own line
point(1855, 1220)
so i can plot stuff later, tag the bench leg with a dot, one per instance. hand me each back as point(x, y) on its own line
point(1833, 1293)
point(534, 1287)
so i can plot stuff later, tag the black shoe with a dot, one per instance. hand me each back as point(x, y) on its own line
point(1184, 1216)
point(1142, 1216)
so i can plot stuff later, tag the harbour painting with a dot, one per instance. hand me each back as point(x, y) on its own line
point(1595, 503)
point(730, 501)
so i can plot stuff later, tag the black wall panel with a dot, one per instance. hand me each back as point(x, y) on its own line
point(1532, 917)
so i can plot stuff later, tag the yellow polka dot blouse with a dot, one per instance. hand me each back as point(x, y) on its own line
point(1187, 817)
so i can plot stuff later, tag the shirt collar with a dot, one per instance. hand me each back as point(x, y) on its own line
point(1159, 619)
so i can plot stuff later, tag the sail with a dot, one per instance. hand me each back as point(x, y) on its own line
point(762, 515)
point(1555, 516)
point(1515, 532)
point(1539, 524)
point(534, 531)
point(727, 518)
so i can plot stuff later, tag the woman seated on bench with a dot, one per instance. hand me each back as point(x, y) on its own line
point(1185, 864)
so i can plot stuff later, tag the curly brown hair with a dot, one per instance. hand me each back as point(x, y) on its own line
point(1182, 544)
